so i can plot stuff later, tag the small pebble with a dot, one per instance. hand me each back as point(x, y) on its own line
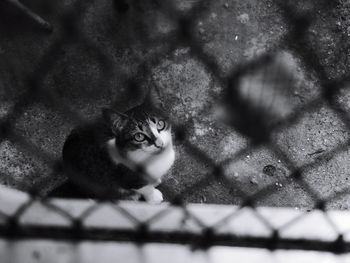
point(278, 184)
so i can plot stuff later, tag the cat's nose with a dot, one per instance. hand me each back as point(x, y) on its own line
point(158, 143)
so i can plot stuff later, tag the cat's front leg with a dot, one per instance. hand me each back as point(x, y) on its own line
point(151, 194)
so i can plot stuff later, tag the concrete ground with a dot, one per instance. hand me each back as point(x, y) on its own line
point(233, 32)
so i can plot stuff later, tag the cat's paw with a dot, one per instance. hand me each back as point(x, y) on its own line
point(155, 198)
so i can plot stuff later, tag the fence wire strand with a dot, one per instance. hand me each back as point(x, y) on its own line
point(296, 40)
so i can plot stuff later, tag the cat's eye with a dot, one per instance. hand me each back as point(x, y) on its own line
point(139, 137)
point(160, 125)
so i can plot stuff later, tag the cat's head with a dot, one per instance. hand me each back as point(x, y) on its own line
point(142, 131)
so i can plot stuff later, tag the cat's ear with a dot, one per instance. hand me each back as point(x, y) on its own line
point(154, 98)
point(115, 119)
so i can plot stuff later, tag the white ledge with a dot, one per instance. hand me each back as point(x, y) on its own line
point(164, 218)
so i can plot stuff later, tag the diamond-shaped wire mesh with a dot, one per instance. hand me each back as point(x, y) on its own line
point(252, 101)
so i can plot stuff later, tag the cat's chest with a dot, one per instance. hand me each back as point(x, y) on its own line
point(161, 164)
point(155, 165)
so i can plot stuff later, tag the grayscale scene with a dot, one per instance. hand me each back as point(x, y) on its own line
point(174, 130)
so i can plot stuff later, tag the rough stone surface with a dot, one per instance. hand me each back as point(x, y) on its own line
point(232, 33)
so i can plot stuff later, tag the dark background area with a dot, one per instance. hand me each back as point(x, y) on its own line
point(119, 48)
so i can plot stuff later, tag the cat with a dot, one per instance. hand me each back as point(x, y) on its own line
point(122, 151)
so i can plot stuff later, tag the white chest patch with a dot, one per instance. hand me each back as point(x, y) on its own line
point(155, 165)
point(161, 163)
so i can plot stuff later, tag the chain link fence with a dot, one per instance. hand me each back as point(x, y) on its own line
point(255, 115)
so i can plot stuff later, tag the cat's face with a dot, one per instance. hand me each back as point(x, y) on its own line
point(141, 133)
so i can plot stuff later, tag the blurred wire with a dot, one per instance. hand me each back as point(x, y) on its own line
point(255, 103)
